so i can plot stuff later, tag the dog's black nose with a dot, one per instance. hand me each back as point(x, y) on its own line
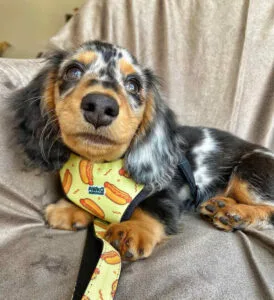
point(99, 110)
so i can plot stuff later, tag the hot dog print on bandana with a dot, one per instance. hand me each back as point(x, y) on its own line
point(106, 191)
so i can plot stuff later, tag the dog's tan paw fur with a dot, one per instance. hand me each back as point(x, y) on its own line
point(67, 216)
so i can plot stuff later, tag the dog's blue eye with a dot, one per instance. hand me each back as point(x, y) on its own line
point(73, 73)
point(132, 86)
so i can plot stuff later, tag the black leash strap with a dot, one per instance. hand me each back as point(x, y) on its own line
point(91, 255)
point(186, 169)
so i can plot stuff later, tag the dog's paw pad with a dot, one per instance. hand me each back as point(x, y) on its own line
point(128, 255)
point(237, 218)
point(213, 205)
point(229, 219)
point(224, 220)
point(211, 208)
point(220, 203)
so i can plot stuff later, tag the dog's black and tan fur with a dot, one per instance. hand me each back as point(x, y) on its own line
point(98, 102)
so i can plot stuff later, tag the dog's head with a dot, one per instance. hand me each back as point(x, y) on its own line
point(98, 102)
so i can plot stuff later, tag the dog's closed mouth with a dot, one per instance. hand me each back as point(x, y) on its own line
point(96, 139)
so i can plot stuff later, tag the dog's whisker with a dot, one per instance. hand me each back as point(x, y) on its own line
point(41, 140)
point(29, 101)
point(52, 128)
point(47, 112)
point(54, 141)
point(33, 98)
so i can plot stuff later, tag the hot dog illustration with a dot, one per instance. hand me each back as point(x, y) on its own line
point(101, 295)
point(95, 273)
point(111, 257)
point(67, 181)
point(101, 224)
point(114, 288)
point(100, 234)
point(116, 195)
point(92, 207)
point(123, 172)
point(85, 168)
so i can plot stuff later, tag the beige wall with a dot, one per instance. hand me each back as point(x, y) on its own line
point(28, 24)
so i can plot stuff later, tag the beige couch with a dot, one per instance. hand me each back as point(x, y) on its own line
point(216, 61)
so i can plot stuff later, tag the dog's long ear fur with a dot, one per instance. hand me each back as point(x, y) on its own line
point(154, 155)
point(36, 127)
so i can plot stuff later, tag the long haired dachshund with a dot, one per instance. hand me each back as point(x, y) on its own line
point(98, 102)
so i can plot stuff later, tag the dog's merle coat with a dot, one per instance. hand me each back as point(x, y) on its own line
point(216, 157)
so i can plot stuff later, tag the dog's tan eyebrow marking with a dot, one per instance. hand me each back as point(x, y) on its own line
point(125, 67)
point(49, 91)
point(86, 57)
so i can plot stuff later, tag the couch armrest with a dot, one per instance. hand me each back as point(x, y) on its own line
point(16, 73)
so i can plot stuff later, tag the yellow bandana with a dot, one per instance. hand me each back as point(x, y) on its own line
point(107, 192)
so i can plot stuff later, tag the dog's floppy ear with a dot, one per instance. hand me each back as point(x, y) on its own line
point(36, 127)
point(154, 154)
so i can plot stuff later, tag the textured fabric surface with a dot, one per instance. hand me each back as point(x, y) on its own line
point(35, 262)
point(215, 57)
point(216, 60)
point(40, 263)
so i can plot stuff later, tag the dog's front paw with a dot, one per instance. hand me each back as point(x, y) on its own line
point(67, 216)
point(132, 240)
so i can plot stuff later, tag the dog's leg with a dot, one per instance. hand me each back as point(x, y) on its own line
point(248, 200)
point(66, 215)
point(229, 215)
point(137, 237)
